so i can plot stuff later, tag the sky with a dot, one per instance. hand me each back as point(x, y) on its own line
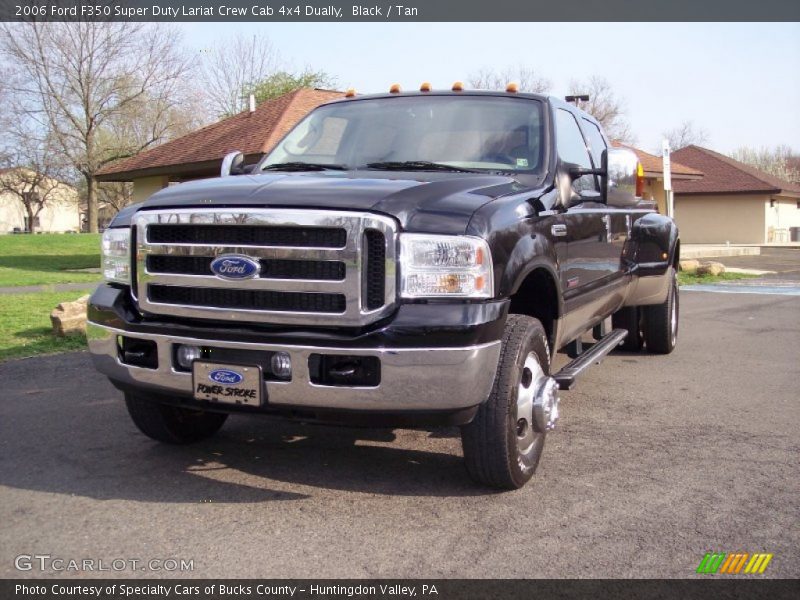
point(740, 82)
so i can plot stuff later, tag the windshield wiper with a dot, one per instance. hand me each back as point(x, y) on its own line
point(417, 165)
point(303, 166)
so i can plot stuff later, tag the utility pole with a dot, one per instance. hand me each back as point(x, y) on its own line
point(668, 199)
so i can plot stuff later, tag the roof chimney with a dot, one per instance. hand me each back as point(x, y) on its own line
point(252, 103)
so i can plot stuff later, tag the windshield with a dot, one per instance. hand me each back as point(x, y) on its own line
point(470, 133)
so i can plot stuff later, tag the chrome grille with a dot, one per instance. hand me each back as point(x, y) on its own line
point(271, 268)
point(318, 267)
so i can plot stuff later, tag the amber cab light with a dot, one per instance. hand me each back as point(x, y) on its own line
point(639, 180)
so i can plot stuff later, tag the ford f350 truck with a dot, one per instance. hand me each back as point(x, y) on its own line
point(402, 260)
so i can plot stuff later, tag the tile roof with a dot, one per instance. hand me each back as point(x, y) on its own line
point(652, 164)
point(724, 174)
point(252, 133)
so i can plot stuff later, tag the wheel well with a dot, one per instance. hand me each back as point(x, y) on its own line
point(538, 297)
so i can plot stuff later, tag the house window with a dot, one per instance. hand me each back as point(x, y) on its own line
point(36, 224)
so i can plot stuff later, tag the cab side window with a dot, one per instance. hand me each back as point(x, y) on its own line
point(572, 148)
point(596, 142)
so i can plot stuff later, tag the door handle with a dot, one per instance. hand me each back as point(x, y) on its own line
point(559, 230)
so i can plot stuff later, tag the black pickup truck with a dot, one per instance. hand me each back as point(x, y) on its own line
point(400, 260)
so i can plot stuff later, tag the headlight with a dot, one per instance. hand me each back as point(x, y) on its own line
point(117, 255)
point(456, 266)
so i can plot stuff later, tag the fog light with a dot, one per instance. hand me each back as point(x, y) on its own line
point(186, 355)
point(281, 364)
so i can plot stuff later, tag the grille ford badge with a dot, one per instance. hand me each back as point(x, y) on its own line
point(225, 376)
point(231, 266)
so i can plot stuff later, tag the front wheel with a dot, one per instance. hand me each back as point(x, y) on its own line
point(661, 321)
point(504, 442)
point(172, 424)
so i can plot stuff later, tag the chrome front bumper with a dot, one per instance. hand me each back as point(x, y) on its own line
point(412, 379)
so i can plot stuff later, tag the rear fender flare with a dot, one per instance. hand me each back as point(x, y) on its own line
point(653, 245)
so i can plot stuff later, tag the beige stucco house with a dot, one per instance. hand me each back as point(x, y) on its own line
point(733, 202)
point(61, 212)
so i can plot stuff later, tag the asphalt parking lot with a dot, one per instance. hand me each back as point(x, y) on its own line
point(658, 459)
point(784, 262)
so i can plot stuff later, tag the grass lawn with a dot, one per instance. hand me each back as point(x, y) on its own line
point(685, 278)
point(46, 258)
point(25, 328)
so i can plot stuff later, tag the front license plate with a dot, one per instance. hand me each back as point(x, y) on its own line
point(227, 384)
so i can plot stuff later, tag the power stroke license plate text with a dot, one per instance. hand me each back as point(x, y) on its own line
point(227, 384)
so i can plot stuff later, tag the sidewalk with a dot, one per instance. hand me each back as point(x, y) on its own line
point(49, 287)
point(720, 250)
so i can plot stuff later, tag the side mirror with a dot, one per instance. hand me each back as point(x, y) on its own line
point(568, 173)
point(620, 184)
point(232, 164)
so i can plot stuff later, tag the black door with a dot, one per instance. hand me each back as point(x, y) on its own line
point(589, 224)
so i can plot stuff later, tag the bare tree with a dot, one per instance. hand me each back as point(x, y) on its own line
point(526, 78)
point(779, 161)
point(79, 79)
point(604, 106)
point(685, 134)
point(115, 194)
point(232, 67)
point(284, 82)
point(33, 172)
point(34, 190)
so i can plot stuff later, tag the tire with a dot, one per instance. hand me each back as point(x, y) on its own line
point(661, 321)
point(495, 453)
point(172, 424)
point(629, 319)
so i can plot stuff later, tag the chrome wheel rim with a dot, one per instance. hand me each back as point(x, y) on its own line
point(673, 317)
point(531, 379)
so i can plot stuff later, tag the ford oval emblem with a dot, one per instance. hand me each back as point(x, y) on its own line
point(231, 266)
point(225, 376)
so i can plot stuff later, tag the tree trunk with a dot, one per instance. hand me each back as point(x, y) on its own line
point(91, 203)
point(29, 224)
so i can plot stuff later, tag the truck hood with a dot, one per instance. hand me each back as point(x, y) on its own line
point(423, 202)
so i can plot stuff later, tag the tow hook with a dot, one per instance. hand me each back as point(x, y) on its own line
point(545, 406)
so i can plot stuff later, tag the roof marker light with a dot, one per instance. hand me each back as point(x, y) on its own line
point(512, 88)
point(350, 93)
point(395, 89)
point(458, 86)
point(425, 87)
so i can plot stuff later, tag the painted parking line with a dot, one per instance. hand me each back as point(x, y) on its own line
point(719, 288)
